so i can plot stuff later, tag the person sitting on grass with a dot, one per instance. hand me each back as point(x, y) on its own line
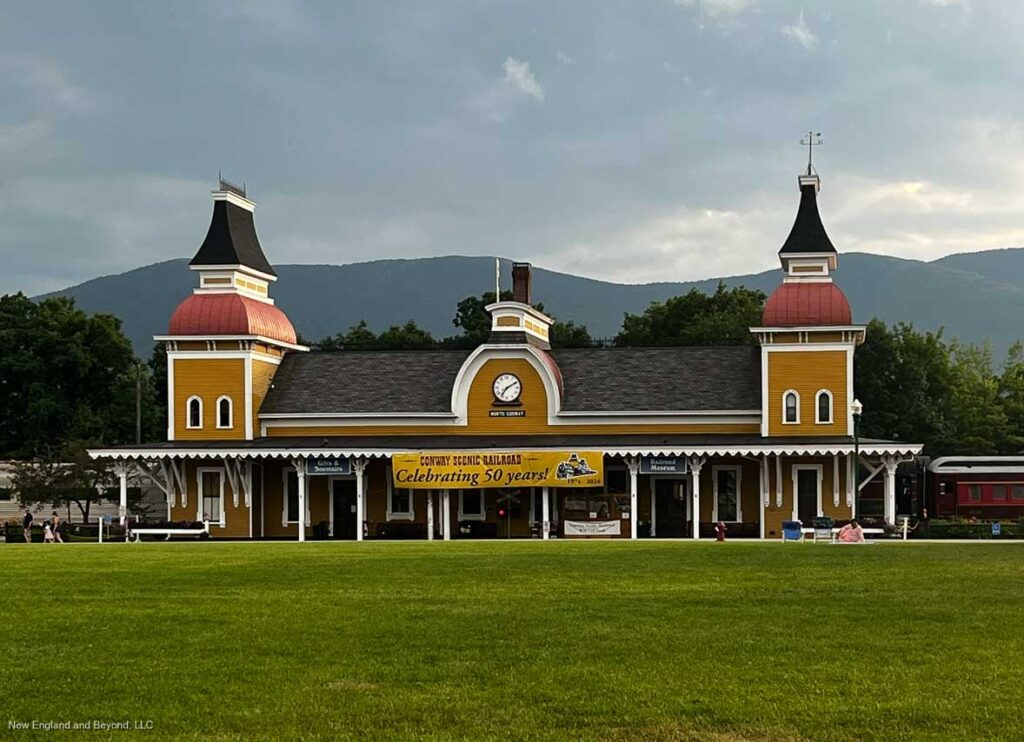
point(851, 533)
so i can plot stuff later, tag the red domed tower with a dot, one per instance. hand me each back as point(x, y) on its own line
point(807, 333)
point(226, 340)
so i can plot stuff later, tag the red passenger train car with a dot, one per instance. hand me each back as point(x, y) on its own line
point(985, 487)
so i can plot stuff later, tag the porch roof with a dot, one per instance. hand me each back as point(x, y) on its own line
point(626, 445)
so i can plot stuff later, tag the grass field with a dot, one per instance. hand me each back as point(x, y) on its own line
point(653, 640)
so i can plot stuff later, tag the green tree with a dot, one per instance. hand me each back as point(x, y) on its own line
point(474, 320)
point(1011, 397)
point(64, 375)
point(723, 318)
point(66, 476)
point(357, 336)
point(406, 337)
point(570, 335)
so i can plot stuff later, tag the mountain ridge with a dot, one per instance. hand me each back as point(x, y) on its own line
point(972, 295)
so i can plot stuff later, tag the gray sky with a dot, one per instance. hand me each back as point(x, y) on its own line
point(634, 141)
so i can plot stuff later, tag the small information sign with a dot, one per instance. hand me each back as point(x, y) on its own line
point(335, 465)
point(663, 465)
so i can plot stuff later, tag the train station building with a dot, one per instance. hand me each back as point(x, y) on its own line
point(513, 439)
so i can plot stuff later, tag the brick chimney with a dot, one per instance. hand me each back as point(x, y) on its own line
point(521, 282)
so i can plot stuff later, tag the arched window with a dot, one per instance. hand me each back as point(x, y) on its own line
point(823, 405)
point(224, 417)
point(194, 410)
point(790, 407)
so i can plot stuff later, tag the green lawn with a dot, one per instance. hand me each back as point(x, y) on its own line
point(542, 640)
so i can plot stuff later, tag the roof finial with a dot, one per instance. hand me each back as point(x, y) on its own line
point(813, 139)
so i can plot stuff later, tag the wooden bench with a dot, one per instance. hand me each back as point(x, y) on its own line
point(135, 534)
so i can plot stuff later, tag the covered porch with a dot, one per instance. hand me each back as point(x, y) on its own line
point(671, 487)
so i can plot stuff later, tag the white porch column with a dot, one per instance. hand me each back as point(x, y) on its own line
point(654, 511)
point(634, 510)
point(430, 515)
point(890, 490)
point(545, 513)
point(122, 475)
point(696, 464)
point(763, 487)
point(359, 466)
point(446, 514)
point(300, 476)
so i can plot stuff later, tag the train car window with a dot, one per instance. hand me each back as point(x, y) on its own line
point(974, 492)
point(999, 492)
point(1018, 491)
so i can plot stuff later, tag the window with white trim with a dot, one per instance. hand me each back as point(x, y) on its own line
point(400, 502)
point(194, 413)
point(823, 407)
point(790, 408)
point(225, 419)
point(211, 495)
point(727, 494)
point(471, 505)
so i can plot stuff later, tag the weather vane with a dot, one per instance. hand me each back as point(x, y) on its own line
point(813, 139)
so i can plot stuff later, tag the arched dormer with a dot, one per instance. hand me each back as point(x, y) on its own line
point(532, 380)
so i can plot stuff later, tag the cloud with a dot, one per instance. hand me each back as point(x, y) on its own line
point(496, 102)
point(716, 8)
point(800, 33)
point(518, 74)
point(565, 58)
point(46, 80)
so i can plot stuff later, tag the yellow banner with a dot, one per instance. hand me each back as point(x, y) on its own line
point(454, 470)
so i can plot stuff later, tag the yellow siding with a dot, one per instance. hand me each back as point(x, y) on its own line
point(236, 520)
point(806, 372)
point(774, 516)
point(209, 378)
point(262, 377)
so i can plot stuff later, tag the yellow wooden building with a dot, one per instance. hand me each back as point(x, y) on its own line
point(513, 439)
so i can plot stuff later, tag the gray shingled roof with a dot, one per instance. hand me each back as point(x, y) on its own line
point(594, 379)
point(365, 381)
point(660, 379)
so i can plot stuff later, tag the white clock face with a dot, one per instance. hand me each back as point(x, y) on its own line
point(507, 388)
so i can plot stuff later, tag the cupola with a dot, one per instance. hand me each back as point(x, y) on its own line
point(517, 321)
point(232, 298)
point(807, 297)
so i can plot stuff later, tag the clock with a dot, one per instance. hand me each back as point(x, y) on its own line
point(507, 388)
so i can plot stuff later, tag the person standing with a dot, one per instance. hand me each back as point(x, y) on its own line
point(55, 523)
point(27, 525)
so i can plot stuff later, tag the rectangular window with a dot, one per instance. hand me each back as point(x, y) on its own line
point(616, 481)
point(210, 496)
point(292, 496)
point(1017, 492)
point(727, 493)
point(974, 492)
point(999, 492)
point(471, 505)
point(400, 504)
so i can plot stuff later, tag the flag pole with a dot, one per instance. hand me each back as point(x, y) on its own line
point(497, 279)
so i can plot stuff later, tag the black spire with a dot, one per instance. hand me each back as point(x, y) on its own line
point(231, 239)
point(808, 234)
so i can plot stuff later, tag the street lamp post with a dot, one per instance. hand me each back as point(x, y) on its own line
point(856, 408)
